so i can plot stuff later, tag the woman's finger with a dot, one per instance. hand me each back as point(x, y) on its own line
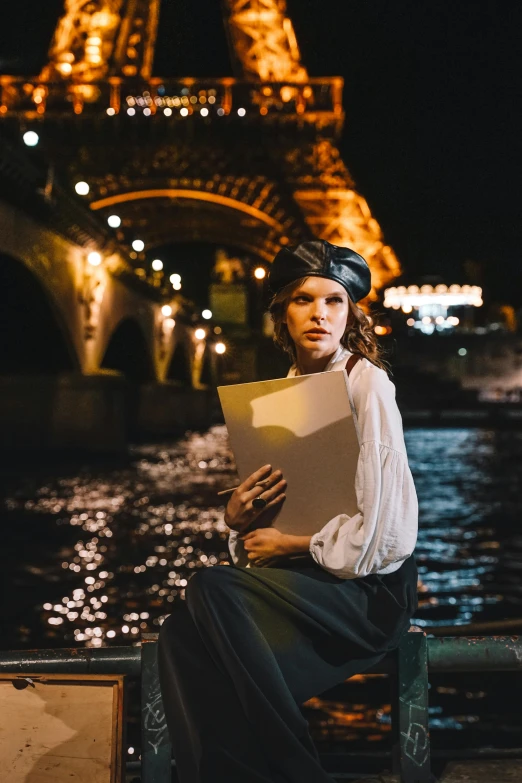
point(255, 492)
point(252, 480)
point(270, 494)
point(278, 499)
point(248, 535)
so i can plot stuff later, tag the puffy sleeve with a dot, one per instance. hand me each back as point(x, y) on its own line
point(237, 550)
point(384, 531)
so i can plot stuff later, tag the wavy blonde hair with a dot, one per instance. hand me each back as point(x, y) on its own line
point(359, 336)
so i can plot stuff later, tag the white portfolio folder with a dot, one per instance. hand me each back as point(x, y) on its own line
point(303, 426)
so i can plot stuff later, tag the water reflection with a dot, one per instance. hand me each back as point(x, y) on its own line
point(108, 550)
point(141, 532)
point(469, 551)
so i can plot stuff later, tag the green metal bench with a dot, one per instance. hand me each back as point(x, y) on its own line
point(408, 667)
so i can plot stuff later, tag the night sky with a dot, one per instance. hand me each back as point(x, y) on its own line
point(433, 99)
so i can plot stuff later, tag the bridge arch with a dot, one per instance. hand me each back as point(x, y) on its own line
point(251, 215)
point(33, 337)
point(127, 352)
point(180, 368)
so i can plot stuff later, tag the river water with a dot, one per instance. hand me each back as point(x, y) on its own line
point(97, 554)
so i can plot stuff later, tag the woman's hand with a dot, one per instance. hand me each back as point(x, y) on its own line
point(240, 512)
point(264, 544)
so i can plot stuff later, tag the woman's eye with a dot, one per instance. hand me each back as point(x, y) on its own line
point(335, 299)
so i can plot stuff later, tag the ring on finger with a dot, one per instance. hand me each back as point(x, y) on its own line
point(259, 502)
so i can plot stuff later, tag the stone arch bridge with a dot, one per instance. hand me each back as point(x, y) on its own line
point(249, 161)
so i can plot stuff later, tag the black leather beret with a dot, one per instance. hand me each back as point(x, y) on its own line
point(321, 259)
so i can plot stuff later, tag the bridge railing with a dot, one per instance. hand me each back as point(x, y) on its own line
point(409, 667)
point(172, 98)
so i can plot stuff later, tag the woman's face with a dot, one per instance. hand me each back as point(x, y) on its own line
point(316, 316)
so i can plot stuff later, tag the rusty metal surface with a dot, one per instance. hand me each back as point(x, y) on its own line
point(156, 751)
point(106, 660)
point(410, 719)
point(477, 653)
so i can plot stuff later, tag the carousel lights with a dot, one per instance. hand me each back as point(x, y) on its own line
point(200, 334)
point(166, 310)
point(260, 273)
point(82, 188)
point(114, 221)
point(138, 245)
point(110, 111)
point(241, 112)
point(220, 348)
point(204, 112)
point(31, 138)
point(157, 265)
point(431, 304)
point(184, 111)
point(447, 296)
point(206, 314)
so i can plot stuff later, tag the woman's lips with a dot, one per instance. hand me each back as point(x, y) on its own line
point(316, 335)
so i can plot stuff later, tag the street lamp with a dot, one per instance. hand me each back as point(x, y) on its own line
point(31, 138)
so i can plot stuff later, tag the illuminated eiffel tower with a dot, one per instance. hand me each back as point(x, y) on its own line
point(250, 161)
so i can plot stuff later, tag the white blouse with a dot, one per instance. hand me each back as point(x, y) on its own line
point(383, 533)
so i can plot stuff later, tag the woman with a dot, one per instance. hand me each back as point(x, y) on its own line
point(251, 644)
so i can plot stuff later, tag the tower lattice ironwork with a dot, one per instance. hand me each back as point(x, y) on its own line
point(251, 160)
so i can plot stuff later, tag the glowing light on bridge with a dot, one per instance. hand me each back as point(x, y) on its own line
point(65, 68)
point(114, 221)
point(138, 245)
point(31, 138)
point(82, 188)
point(207, 314)
point(220, 348)
point(260, 273)
point(241, 112)
point(157, 265)
point(200, 334)
point(94, 258)
point(204, 112)
point(166, 310)
point(184, 111)
point(167, 111)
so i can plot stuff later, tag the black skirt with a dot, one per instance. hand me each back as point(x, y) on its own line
point(250, 645)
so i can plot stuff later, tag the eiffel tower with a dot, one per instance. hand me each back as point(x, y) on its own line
point(250, 161)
